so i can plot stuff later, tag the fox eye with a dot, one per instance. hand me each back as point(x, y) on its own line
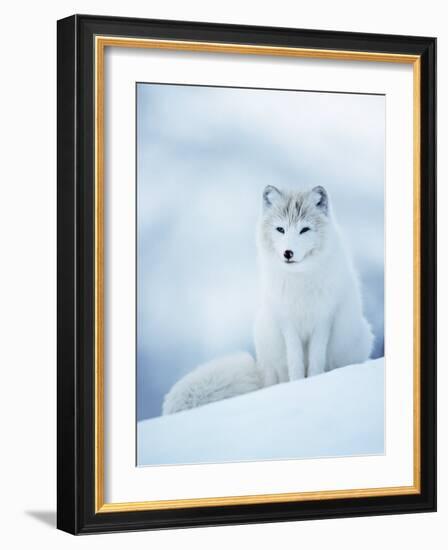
point(304, 230)
point(280, 229)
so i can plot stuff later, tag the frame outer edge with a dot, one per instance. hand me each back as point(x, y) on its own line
point(429, 270)
point(433, 72)
point(67, 455)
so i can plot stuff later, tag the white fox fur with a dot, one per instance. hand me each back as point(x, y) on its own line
point(218, 379)
point(310, 317)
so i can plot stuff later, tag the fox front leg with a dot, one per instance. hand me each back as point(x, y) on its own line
point(294, 355)
point(269, 377)
point(317, 352)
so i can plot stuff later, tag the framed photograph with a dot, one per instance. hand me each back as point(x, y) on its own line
point(246, 274)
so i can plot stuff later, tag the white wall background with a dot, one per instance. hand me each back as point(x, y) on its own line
point(28, 272)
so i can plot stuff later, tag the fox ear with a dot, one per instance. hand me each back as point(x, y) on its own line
point(320, 198)
point(270, 195)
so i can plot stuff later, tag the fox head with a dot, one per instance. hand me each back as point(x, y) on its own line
point(294, 225)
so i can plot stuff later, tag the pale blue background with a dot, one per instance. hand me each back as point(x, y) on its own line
point(203, 157)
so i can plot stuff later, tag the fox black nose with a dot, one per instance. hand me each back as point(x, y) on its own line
point(288, 254)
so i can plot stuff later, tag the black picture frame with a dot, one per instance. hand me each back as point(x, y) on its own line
point(76, 288)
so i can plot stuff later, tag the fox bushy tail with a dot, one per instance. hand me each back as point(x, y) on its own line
point(218, 379)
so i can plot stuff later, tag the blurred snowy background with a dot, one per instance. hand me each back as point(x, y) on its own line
point(203, 157)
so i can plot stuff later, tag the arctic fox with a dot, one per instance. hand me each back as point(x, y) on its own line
point(310, 318)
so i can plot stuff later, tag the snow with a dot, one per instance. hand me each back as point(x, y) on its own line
point(339, 413)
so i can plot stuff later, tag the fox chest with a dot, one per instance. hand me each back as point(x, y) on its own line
point(302, 307)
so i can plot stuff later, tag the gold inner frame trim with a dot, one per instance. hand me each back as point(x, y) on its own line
point(101, 42)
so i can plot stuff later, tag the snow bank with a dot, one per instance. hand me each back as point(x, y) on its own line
point(340, 413)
